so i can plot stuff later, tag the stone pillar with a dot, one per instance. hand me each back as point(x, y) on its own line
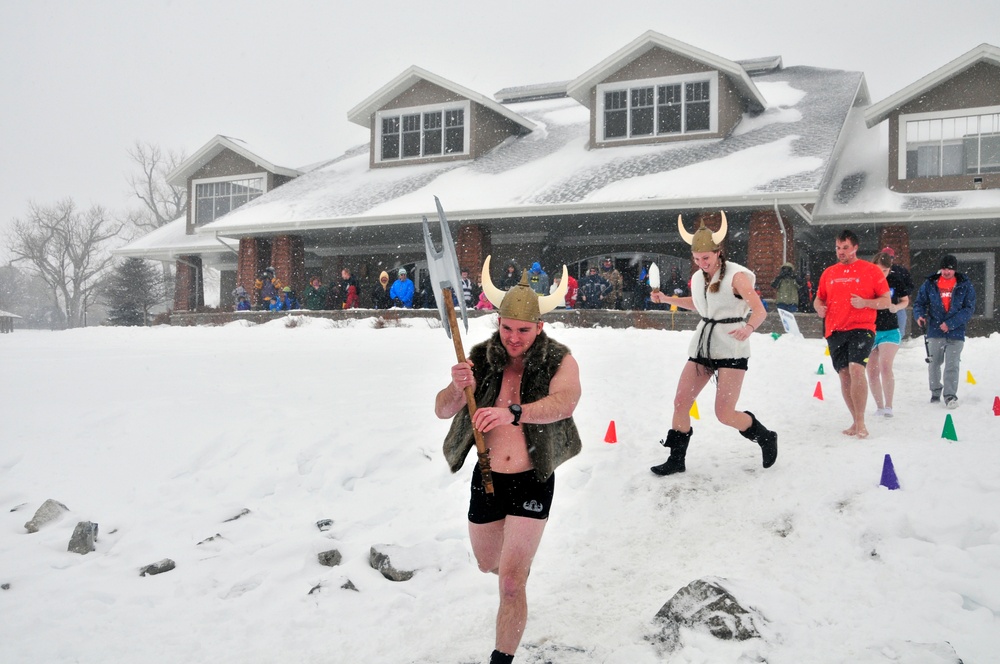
point(189, 289)
point(897, 237)
point(247, 267)
point(766, 248)
point(288, 256)
point(474, 245)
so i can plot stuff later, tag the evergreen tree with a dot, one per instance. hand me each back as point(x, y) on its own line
point(133, 288)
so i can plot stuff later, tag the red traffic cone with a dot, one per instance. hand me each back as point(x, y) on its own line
point(611, 436)
point(996, 406)
point(819, 391)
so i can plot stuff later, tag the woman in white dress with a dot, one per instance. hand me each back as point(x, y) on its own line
point(723, 293)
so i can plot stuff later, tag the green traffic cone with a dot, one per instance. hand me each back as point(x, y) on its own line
point(775, 335)
point(949, 429)
point(820, 370)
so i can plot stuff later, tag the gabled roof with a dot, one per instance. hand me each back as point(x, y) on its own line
point(982, 53)
point(779, 155)
point(362, 113)
point(178, 177)
point(580, 87)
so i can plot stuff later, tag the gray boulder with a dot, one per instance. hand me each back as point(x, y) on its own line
point(381, 559)
point(330, 558)
point(705, 605)
point(160, 567)
point(48, 512)
point(83, 538)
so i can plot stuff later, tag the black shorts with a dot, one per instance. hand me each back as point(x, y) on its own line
point(517, 494)
point(726, 363)
point(850, 346)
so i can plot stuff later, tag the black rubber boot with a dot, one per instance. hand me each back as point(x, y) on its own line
point(678, 444)
point(768, 440)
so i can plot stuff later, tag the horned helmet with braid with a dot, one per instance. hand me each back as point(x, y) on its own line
point(706, 240)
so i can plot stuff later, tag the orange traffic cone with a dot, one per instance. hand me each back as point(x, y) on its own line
point(611, 436)
point(819, 391)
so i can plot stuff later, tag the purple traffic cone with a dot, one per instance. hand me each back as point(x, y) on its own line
point(889, 480)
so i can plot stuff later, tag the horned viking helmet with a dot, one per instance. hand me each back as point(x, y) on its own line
point(704, 239)
point(520, 302)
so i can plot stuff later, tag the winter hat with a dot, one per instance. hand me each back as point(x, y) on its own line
point(384, 275)
point(536, 267)
point(890, 251)
point(402, 271)
point(949, 262)
point(287, 289)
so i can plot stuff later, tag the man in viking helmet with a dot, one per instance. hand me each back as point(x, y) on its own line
point(723, 293)
point(526, 387)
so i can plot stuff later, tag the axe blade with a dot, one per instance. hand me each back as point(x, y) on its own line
point(442, 266)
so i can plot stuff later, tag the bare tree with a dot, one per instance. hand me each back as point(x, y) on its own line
point(68, 250)
point(161, 202)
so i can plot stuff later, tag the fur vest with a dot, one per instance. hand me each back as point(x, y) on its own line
point(548, 444)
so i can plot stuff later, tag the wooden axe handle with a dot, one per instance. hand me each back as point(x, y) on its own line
point(470, 396)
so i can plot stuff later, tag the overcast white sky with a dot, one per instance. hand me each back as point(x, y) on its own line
point(81, 82)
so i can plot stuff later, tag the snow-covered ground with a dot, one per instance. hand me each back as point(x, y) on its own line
point(161, 435)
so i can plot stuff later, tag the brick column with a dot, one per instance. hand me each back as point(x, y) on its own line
point(765, 248)
point(246, 267)
point(474, 245)
point(189, 289)
point(288, 256)
point(897, 237)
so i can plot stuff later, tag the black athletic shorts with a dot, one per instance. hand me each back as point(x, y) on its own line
point(850, 346)
point(725, 363)
point(517, 494)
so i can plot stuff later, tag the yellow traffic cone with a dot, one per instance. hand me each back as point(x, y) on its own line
point(969, 379)
point(694, 411)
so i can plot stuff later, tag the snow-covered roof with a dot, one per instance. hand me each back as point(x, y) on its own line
point(982, 53)
point(781, 154)
point(580, 87)
point(859, 188)
point(7, 314)
point(362, 113)
point(171, 240)
point(178, 177)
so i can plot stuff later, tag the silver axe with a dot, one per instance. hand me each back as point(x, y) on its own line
point(446, 280)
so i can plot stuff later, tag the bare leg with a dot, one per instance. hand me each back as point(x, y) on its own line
point(693, 380)
point(726, 396)
point(854, 388)
point(487, 542)
point(886, 358)
point(874, 376)
point(520, 542)
point(859, 398)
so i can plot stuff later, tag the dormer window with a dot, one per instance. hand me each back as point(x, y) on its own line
point(965, 142)
point(674, 106)
point(430, 131)
point(215, 197)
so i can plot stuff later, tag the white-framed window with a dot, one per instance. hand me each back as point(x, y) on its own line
point(214, 197)
point(426, 131)
point(670, 106)
point(962, 142)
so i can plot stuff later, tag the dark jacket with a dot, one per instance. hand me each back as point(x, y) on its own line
point(315, 298)
point(510, 280)
point(381, 298)
point(548, 444)
point(928, 305)
point(592, 289)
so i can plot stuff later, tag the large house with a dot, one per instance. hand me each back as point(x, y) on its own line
point(603, 165)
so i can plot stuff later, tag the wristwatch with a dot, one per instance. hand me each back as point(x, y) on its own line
point(515, 410)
